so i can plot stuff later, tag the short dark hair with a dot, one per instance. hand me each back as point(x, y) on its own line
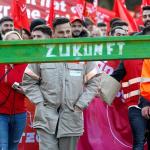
point(114, 29)
point(59, 21)
point(26, 31)
point(5, 19)
point(101, 24)
point(113, 20)
point(146, 7)
point(37, 22)
point(119, 23)
point(44, 29)
point(88, 21)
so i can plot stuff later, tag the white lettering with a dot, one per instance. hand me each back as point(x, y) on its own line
point(50, 50)
point(48, 3)
point(35, 14)
point(67, 50)
point(121, 45)
point(6, 10)
point(88, 50)
point(108, 69)
point(109, 48)
point(76, 49)
point(98, 49)
point(42, 3)
point(63, 6)
point(32, 2)
point(73, 9)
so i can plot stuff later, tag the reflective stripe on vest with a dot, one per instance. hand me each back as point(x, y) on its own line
point(130, 94)
point(135, 80)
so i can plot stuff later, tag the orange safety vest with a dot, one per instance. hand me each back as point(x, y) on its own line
point(145, 86)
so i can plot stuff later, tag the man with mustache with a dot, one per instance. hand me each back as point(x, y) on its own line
point(6, 25)
point(78, 29)
point(146, 15)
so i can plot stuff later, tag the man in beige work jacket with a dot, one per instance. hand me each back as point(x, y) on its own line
point(60, 95)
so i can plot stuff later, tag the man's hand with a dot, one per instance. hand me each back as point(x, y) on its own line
point(146, 112)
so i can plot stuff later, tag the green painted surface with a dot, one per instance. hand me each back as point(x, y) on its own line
point(105, 48)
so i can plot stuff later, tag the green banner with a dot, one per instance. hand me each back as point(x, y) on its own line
point(101, 48)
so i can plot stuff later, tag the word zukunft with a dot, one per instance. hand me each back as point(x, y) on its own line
point(85, 49)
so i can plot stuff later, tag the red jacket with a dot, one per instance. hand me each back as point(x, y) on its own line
point(11, 102)
point(131, 81)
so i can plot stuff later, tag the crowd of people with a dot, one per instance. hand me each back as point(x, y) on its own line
point(61, 91)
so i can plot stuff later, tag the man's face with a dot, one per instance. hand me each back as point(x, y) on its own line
point(103, 30)
point(146, 18)
point(120, 32)
point(24, 35)
point(77, 28)
point(7, 26)
point(39, 35)
point(125, 28)
point(63, 31)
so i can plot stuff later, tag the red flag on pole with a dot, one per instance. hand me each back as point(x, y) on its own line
point(81, 8)
point(51, 14)
point(94, 13)
point(122, 12)
point(19, 14)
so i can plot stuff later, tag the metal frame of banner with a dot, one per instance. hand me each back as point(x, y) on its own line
point(75, 49)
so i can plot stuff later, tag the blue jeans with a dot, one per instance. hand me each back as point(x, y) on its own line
point(11, 129)
point(138, 126)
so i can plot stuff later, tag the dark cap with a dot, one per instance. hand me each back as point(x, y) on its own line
point(5, 19)
point(37, 22)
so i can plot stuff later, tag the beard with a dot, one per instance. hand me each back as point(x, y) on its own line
point(147, 23)
point(4, 32)
point(76, 33)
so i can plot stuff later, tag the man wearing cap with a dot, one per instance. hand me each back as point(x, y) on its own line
point(78, 29)
point(6, 24)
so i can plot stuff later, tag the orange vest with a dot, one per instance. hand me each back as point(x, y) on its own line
point(145, 85)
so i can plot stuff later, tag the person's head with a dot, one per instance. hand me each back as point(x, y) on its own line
point(121, 24)
point(12, 35)
point(96, 32)
point(41, 32)
point(113, 20)
point(6, 25)
point(89, 23)
point(62, 28)
point(37, 22)
point(118, 31)
point(146, 15)
point(103, 28)
point(76, 26)
point(25, 34)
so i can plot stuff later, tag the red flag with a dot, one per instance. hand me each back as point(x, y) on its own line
point(81, 8)
point(51, 14)
point(122, 12)
point(19, 14)
point(94, 11)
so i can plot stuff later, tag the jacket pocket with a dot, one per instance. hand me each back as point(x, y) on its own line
point(74, 81)
point(49, 77)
